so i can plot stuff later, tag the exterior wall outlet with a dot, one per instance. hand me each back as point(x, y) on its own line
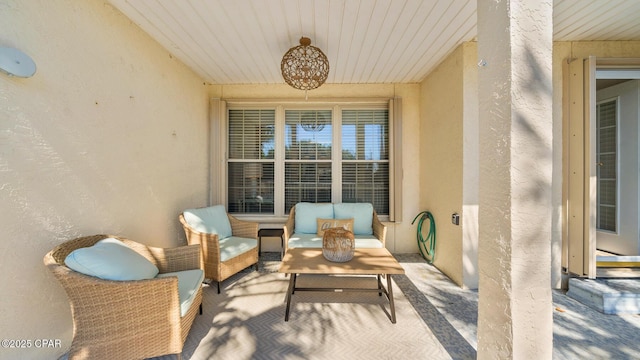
point(455, 219)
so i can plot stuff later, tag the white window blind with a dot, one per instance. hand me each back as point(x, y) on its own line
point(606, 152)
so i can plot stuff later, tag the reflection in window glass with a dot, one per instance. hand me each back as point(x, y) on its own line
point(308, 134)
point(307, 182)
point(250, 187)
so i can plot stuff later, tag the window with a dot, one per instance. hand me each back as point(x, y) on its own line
point(365, 157)
point(307, 168)
point(607, 170)
point(251, 161)
point(281, 155)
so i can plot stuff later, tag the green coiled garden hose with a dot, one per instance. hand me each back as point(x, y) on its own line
point(426, 245)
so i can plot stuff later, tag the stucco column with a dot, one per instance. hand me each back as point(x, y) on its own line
point(515, 319)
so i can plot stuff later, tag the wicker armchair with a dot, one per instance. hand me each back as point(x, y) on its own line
point(127, 319)
point(215, 268)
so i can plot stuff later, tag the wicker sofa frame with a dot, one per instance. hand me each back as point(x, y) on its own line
point(127, 319)
point(379, 229)
point(217, 270)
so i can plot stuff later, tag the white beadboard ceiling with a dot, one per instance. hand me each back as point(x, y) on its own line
point(366, 41)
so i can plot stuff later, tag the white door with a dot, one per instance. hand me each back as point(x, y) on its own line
point(617, 158)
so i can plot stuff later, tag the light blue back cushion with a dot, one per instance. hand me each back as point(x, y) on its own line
point(210, 220)
point(362, 214)
point(299, 240)
point(111, 259)
point(307, 213)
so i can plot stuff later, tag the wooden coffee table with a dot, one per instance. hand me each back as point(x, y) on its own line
point(378, 262)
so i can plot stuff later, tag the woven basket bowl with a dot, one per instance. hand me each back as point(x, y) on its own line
point(338, 245)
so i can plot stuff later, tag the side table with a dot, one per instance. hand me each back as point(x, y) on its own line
point(271, 232)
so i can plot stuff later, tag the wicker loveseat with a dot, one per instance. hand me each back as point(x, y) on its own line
point(301, 228)
point(130, 319)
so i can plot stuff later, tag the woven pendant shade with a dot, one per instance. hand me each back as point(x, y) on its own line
point(304, 67)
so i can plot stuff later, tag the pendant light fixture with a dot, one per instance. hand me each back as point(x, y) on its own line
point(304, 67)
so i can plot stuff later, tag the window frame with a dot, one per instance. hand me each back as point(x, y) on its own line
point(279, 106)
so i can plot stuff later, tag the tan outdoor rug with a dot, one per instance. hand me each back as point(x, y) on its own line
point(246, 321)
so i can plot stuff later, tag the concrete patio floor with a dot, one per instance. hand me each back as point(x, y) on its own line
point(436, 320)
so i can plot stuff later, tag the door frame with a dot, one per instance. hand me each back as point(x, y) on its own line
point(579, 185)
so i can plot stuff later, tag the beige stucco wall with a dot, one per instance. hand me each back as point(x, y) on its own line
point(442, 162)
point(470, 166)
point(109, 136)
point(400, 234)
point(449, 166)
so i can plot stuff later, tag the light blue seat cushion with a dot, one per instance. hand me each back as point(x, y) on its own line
point(188, 283)
point(234, 246)
point(314, 241)
point(111, 259)
point(298, 240)
point(307, 214)
point(362, 214)
point(367, 242)
point(210, 220)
